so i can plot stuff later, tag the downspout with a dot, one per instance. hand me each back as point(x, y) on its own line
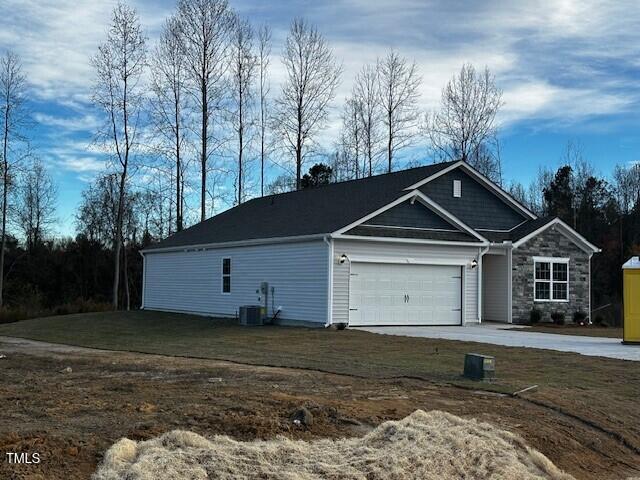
point(329, 241)
point(144, 277)
point(481, 252)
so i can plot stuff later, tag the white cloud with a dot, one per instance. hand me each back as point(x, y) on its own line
point(80, 164)
point(87, 123)
point(542, 100)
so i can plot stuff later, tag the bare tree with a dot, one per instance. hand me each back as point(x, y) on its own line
point(517, 191)
point(464, 127)
point(243, 75)
point(350, 141)
point(626, 188)
point(264, 57)
point(205, 26)
point(118, 93)
point(535, 193)
point(12, 110)
point(103, 211)
point(366, 94)
point(169, 107)
point(398, 84)
point(36, 204)
point(312, 76)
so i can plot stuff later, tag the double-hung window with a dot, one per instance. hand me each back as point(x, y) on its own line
point(226, 275)
point(551, 279)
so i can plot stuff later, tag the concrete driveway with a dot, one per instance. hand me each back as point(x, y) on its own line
point(498, 334)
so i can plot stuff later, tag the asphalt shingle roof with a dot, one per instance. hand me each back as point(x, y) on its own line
point(517, 233)
point(319, 210)
point(322, 210)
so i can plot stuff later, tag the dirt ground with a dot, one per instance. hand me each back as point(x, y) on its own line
point(71, 418)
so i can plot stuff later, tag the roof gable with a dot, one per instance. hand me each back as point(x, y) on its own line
point(413, 215)
point(413, 218)
point(414, 196)
point(560, 226)
point(478, 206)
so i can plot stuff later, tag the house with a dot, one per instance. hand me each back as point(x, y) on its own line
point(434, 245)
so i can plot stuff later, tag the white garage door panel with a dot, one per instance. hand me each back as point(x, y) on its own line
point(402, 294)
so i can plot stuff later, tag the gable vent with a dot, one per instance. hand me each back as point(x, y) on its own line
point(457, 188)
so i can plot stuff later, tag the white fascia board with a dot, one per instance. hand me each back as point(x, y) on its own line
point(551, 259)
point(451, 167)
point(488, 183)
point(425, 200)
point(566, 230)
point(408, 260)
point(409, 240)
point(239, 243)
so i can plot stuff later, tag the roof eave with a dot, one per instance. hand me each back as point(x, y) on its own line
point(237, 243)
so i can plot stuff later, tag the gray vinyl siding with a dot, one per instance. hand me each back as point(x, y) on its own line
point(495, 286)
point(393, 250)
point(192, 281)
point(478, 206)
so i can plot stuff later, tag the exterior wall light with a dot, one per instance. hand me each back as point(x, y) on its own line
point(474, 263)
point(343, 258)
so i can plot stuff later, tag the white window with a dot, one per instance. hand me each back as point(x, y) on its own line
point(457, 188)
point(551, 279)
point(226, 275)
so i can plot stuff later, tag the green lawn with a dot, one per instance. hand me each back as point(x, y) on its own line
point(351, 351)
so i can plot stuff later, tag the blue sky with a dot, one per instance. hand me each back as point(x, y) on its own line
point(569, 69)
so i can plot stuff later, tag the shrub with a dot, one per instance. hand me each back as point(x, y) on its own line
point(15, 314)
point(535, 316)
point(579, 317)
point(558, 318)
point(600, 321)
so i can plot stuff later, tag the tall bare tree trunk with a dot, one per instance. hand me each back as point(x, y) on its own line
point(125, 271)
point(203, 153)
point(178, 169)
point(390, 144)
point(12, 84)
point(118, 238)
point(240, 152)
point(5, 187)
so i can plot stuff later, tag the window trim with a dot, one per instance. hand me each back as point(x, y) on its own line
point(457, 189)
point(551, 261)
point(223, 275)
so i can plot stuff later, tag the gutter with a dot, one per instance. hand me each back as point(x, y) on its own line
point(238, 243)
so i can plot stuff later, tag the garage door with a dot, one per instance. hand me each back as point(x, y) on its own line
point(401, 294)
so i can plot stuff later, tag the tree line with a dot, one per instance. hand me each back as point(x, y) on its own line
point(191, 125)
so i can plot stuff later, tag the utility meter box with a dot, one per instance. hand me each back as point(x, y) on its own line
point(479, 367)
point(631, 300)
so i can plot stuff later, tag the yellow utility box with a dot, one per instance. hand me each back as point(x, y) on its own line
point(631, 282)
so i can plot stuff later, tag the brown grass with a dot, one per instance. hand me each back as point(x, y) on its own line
point(433, 445)
point(590, 331)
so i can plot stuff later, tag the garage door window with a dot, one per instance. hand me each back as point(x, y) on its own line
point(551, 279)
point(226, 275)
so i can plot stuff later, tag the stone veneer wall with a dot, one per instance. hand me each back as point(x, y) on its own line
point(549, 243)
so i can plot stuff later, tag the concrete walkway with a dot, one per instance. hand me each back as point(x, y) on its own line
point(498, 334)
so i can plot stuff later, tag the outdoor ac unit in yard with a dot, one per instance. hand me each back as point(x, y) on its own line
point(251, 315)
